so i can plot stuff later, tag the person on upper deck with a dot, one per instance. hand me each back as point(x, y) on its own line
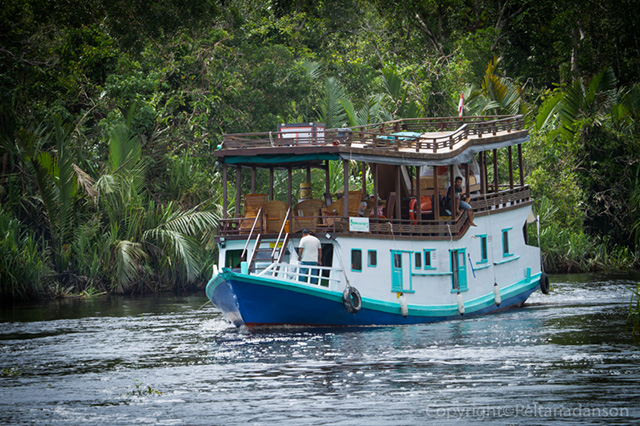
point(460, 203)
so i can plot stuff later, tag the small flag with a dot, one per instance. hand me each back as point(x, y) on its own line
point(460, 104)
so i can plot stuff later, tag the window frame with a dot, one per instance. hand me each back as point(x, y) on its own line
point(505, 243)
point(352, 260)
point(375, 253)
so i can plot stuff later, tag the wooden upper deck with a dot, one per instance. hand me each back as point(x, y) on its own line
point(415, 141)
point(395, 150)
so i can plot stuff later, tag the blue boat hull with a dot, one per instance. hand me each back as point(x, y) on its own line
point(255, 301)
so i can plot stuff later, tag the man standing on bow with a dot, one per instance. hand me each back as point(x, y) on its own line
point(309, 253)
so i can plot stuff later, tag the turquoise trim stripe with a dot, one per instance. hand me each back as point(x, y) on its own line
point(505, 293)
point(427, 311)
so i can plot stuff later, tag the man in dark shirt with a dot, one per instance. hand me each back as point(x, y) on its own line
point(460, 203)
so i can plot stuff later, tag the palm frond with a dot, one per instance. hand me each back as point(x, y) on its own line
point(350, 112)
point(313, 69)
point(128, 263)
point(124, 149)
point(548, 110)
point(85, 182)
point(175, 244)
point(393, 83)
point(331, 112)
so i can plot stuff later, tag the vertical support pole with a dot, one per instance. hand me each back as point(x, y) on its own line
point(345, 192)
point(483, 173)
point(289, 184)
point(398, 194)
point(238, 190)
point(452, 188)
point(308, 173)
point(364, 179)
point(224, 191)
point(271, 183)
point(253, 180)
point(495, 171)
point(467, 191)
point(327, 185)
point(520, 165)
point(418, 198)
point(436, 194)
point(510, 153)
point(375, 190)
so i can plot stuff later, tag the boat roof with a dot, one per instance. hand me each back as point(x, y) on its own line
point(413, 142)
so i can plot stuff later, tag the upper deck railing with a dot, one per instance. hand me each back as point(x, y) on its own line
point(429, 134)
point(443, 228)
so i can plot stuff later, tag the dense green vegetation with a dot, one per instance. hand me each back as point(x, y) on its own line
point(110, 112)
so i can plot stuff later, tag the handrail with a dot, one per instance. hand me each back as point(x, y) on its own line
point(284, 224)
point(276, 268)
point(432, 228)
point(251, 233)
point(369, 135)
point(255, 251)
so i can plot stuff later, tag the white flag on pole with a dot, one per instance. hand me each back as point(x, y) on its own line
point(461, 104)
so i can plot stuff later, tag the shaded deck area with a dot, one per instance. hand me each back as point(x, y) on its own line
point(395, 155)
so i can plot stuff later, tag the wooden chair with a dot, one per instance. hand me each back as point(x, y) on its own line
point(276, 212)
point(337, 207)
point(306, 214)
point(252, 204)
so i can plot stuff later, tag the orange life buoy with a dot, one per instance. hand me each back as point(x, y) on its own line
point(425, 206)
point(412, 210)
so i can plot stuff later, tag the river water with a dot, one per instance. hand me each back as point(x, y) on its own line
point(563, 359)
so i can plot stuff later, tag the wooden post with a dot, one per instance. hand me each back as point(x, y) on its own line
point(327, 185)
point(510, 153)
point(364, 179)
point(398, 194)
point(253, 180)
point(289, 185)
point(224, 191)
point(520, 165)
point(238, 189)
point(271, 183)
point(495, 171)
point(418, 207)
point(467, 191)
point(452, 185)
point(308, 173)
point(483, 173)
point(375, 190)
point(436, 194)
point(345, 192)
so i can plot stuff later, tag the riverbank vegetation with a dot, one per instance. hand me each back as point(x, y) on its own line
point(110, 113)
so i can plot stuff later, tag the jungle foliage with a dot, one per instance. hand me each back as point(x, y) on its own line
point(110, 112)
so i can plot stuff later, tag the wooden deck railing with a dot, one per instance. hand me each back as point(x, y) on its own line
point(382, 136)
point(444, 228)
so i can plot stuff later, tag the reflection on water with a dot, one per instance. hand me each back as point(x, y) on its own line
point(564, 359)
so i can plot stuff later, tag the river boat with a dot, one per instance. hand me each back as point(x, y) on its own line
point(393, 251)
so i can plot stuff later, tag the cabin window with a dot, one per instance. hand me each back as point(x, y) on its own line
point(483, 249)
point(418, 260)
point(397, 260)
point(372, 258)
point(356, 260)
point(429, 257)
point(232, 258)
point(505, 242)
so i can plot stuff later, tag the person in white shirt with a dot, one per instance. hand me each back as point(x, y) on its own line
point(309, 253)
